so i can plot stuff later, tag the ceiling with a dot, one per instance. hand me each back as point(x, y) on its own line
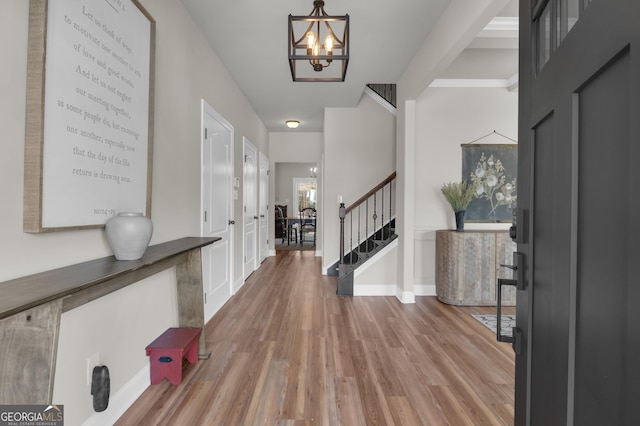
point(250, 37)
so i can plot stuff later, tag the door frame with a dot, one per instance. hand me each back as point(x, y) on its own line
point(294, 200)
point(248, 146)
point(263, 207)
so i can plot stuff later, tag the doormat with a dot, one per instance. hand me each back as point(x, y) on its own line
point(490, 321)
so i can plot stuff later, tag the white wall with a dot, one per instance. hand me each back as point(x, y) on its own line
point(455, 30)
point(186, 71)
point(378, 277)
point(360, 149)
point(445, 119)
point(295, 147)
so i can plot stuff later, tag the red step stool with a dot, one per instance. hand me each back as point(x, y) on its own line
point(167, 351)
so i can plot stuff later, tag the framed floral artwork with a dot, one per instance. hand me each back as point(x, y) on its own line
point(493, 169)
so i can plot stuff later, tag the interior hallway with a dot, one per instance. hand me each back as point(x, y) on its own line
point(287, 350)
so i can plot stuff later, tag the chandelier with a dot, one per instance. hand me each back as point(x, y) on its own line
point(316, 42)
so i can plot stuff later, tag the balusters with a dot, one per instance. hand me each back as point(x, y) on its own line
point(366, 227)
point(351, 240)
point(359, 217)
point(382, 237)
point(390, 204)
point(342, 213)
point(366, 234)
point(375, 211)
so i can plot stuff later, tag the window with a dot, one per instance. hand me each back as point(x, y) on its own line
point(552, 21)
point(304, 194)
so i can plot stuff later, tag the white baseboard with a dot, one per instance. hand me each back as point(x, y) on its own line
point(375, 290)
point(123, 399)
point(384, 290)
point(236, 285)
point(392, 290)
point(424, 289)
point(406, 296)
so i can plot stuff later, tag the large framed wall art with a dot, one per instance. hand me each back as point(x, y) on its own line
point(89, 115)
point(493, 169)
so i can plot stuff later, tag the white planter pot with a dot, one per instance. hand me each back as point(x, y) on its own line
point(128, 235)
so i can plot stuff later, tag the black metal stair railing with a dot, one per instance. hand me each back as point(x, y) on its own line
point(366, 227)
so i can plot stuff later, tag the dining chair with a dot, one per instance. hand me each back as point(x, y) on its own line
point(307, 223)
point(289, 230)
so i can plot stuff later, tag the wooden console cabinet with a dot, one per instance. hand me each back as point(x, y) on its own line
point(468, 267)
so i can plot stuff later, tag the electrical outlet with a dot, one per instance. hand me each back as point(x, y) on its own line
point(92, 361)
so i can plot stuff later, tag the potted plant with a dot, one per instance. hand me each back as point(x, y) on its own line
point(459, 195)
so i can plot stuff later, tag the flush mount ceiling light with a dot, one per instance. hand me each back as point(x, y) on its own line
point(316, 42)
point(292, 124)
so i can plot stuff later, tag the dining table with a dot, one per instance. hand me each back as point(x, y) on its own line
point(292, 220)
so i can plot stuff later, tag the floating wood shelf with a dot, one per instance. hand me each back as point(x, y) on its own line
point(31, 306)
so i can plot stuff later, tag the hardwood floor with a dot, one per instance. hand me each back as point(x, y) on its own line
point(287, 351)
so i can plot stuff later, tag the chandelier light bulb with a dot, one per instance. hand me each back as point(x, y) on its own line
point(311, 40)
point(328, 44)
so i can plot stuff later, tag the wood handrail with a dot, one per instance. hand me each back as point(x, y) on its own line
point(366, 196)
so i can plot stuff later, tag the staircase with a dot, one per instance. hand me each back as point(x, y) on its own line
point(385, 91)
point(366, 227)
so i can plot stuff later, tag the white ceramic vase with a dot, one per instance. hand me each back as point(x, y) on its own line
point(128, 235)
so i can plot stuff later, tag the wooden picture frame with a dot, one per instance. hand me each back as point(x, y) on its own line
point(493, 168)
point(89, 113)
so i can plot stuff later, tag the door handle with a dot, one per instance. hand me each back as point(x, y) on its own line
point(255, 217)
point(518, 269)
point(232, 222)
point(501, 337)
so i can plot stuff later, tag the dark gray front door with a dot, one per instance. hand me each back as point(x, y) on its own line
point(579, 188)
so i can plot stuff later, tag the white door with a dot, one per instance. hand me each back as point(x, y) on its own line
point(264, 207)
point(250, 207)
point(217, 209)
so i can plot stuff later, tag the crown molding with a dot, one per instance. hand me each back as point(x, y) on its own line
point(510, 83)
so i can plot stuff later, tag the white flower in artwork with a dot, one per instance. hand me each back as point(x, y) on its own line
point(490, 181)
